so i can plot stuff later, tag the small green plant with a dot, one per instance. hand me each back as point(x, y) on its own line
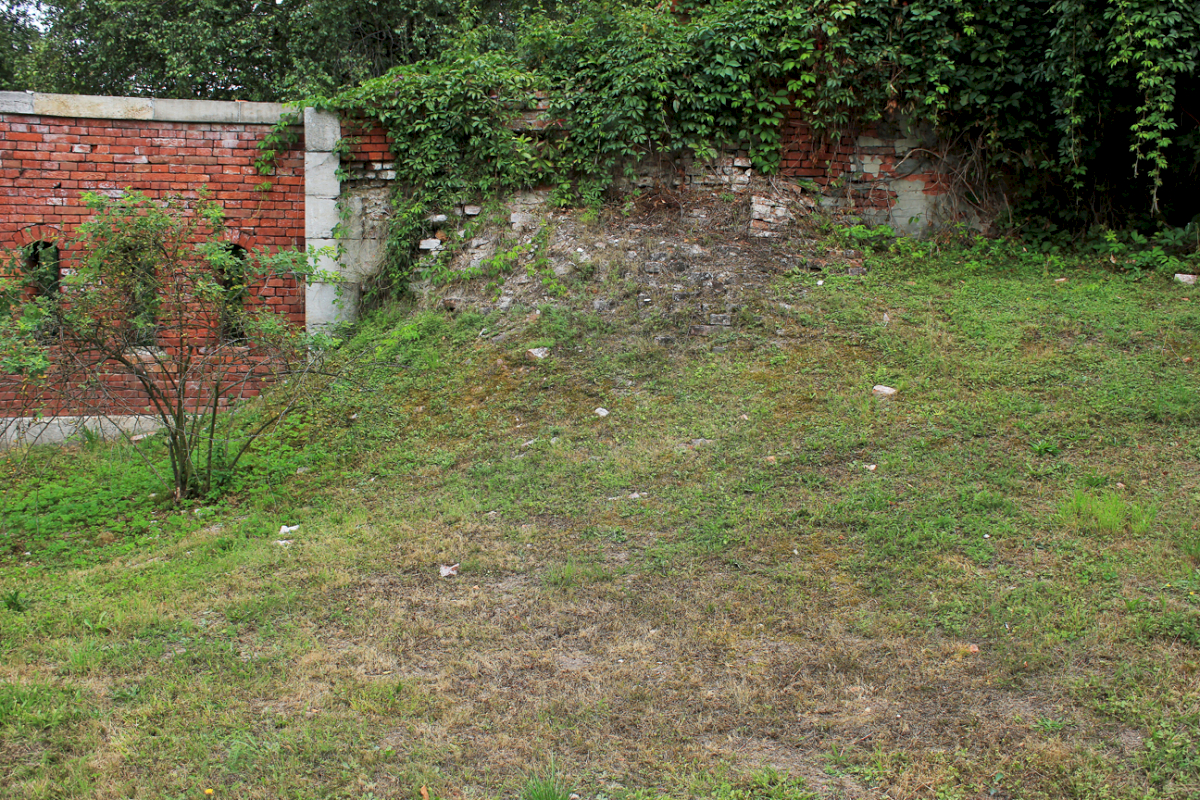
point(16, 601)
point(1047, 725)
point(1045, 447)
point(564, 575)
point(548, 786)
point(1109, 514)
point(877, 238)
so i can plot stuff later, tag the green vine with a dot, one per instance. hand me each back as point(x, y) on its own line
point(1042, 90)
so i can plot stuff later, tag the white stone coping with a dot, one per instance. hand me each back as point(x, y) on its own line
point(84, 106)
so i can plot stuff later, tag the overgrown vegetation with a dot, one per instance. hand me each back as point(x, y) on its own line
point(1055, 117)
point(153, 317)
point(985, 586)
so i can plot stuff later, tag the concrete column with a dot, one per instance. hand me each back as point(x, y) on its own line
point(334, 299)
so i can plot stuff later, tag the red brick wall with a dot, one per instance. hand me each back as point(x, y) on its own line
point(46, 163)
point(828, 161)
point(368, 145)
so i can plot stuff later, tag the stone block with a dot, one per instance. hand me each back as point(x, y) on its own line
point(93, 106)
point(260, 113)
point(322, 130)
point(1182, 277)
point(16, 103)
point(168, 110)
point(327, 262)
point(327, 304)
point(320, 217)
point(320, 174)
point(432, 245)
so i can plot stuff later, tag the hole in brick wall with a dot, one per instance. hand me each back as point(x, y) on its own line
point(43, 275)
point(44, 268)
point(231, 275)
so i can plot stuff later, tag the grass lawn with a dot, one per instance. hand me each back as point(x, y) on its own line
point(752, 579)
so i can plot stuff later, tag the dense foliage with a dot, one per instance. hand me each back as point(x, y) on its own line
point(236, 49)
point(1075, 112)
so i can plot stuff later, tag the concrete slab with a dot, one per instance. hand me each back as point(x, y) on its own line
point(261, 113)
point(195, 111)
point(61, 430)
point(93, 106)
point(16, 103)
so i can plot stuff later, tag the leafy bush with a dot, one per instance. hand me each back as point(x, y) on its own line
point(156, 298)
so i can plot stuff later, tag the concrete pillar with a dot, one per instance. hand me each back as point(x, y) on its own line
point(332, 296)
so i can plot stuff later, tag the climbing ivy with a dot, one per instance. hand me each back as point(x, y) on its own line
point(1083, 112)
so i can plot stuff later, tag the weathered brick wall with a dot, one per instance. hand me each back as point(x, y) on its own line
point(48, 160)
point(886, 173)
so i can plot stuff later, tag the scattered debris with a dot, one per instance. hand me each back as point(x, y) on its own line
point(283, 542)
point(449, 571)
point(537, 353)
point(284, 530)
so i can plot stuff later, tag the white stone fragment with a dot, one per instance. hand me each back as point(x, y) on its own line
point(883, 391)
point(1190, 280)
point(431, 244)
point(601, 412)
point(537, 353)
